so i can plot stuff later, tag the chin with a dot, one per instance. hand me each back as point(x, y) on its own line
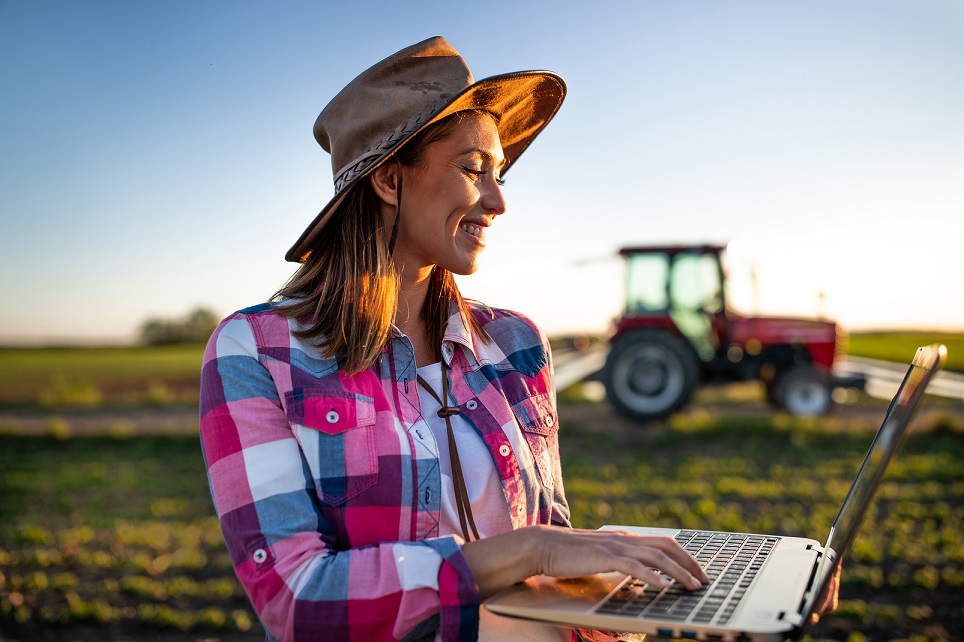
point(465, 271)
point(464, 266)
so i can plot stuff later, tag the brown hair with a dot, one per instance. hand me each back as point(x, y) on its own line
point(346, 291)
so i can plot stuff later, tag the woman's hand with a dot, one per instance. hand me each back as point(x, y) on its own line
point(827, 601)
point(503, 560)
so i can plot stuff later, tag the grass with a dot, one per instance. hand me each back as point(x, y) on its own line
point(901, 346)
point(86, 377)
point(117, 535)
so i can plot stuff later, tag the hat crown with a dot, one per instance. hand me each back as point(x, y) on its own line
point(385, 102)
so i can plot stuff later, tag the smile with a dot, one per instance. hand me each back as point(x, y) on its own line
point(474, 230)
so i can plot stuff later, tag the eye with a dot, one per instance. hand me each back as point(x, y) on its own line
point(479, 173)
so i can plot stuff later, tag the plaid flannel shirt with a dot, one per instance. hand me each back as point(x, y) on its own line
point(329, 506)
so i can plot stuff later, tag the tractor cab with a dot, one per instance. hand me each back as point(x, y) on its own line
point(684, 287)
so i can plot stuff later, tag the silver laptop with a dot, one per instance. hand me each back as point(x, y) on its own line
point(763, 587)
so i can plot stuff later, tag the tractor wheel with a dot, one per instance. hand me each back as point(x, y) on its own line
point(650, 374)
point(803, 391)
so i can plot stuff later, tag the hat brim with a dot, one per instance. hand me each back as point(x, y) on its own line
point(523, 103)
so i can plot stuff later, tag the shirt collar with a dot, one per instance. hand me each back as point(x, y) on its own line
point(457, 334)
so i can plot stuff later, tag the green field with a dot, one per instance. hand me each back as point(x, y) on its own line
point(107, 538)
point(112, 536)
point(900, 346)
point(86, 377)
point(89, 377)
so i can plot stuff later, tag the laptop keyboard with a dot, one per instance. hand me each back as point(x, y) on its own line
point(731, 560)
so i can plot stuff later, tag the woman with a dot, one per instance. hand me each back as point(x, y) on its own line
point(382, 453)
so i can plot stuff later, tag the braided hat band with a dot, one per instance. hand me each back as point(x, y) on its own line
point(396, 98)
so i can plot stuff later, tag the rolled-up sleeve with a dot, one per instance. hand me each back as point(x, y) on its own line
point(301, 585)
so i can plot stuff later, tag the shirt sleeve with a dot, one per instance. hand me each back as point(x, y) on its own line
point(282, 547)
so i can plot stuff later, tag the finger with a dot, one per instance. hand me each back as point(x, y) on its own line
point(646, 559)
point(674, 550)
point(665, 553)
point(669, 546)
point(639, 556)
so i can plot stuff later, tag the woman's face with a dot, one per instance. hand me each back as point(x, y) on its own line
point(450, 198)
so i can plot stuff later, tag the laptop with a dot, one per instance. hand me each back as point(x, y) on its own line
point(763, 587)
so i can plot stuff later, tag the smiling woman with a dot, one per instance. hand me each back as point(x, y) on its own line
point(382, 453)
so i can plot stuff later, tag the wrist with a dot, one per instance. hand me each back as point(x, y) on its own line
point(533, 550)
point(502, 560)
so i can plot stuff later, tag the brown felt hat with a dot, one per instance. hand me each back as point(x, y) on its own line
point(398, 97)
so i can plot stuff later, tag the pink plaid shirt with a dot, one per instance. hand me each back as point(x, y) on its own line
point(330, 506)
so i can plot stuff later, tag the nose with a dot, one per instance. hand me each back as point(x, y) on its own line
point(493, 200)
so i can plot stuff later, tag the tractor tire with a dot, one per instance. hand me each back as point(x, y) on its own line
point(650, 374)
point(803, 391)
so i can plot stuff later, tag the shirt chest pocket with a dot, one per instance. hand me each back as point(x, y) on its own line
point(336, 430)
point(540, 426)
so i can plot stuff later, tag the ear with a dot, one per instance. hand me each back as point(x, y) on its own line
point(384, 181)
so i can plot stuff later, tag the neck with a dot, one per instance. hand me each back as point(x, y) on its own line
point(409, 318)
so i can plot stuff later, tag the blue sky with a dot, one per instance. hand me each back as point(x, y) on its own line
point(155, 157)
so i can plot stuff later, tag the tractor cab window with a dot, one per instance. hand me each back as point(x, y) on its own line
point(695, 283)
point(657, 282)
point(646, 277)
point(696, 294)
point(686, 286)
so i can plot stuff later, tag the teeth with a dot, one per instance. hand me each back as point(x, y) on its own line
point(474, 230)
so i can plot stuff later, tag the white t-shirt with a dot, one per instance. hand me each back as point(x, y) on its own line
point(489, 508)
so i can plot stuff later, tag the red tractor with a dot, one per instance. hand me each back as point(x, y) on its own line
point(676, 333)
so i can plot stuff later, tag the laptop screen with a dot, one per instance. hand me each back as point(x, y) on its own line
point(889, 438)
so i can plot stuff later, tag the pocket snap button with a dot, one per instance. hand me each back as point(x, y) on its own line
point(260, 556)
point(550, 421)
point(332, 417)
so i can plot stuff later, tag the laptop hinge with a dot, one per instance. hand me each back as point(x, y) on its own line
point(819, 549)
point(796, 618)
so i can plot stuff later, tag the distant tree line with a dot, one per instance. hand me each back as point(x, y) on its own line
point(195, 327)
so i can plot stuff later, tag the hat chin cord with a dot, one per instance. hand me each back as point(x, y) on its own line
point(398, 210)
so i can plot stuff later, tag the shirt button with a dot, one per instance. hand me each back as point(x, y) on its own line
point(504, 450)
point(519, 510)
point(550, 421)
point(260, 556)
point(471, 404)
point(332, 417)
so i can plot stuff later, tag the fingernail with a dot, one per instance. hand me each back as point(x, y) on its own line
point(663, 581)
